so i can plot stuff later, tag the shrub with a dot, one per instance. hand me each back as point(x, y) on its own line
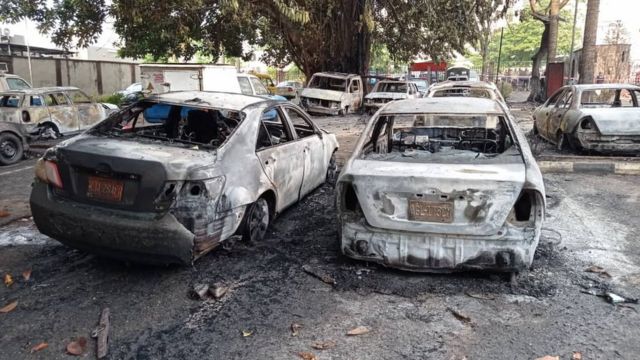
point(505, 89)
point(115, 99)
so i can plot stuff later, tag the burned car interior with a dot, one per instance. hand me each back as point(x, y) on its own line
point(328, 83)
point(173, 124)
point(431, 136)
point(460, 91)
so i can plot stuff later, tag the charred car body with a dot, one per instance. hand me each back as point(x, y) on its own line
point(170, 177)
point(388, 90)
point(599, 117)
point(479, 89)
point(439, 185)
point(333, 93)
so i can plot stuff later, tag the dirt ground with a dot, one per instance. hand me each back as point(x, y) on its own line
point(550, 310)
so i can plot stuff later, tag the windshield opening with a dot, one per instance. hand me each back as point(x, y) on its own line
point(328, 83)
point(391, 87)
point(171, 124)
point(466, 92)
point(437, 137)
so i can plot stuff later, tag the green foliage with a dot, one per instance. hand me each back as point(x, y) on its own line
point(115, 99)
point(521, 40)
point(505, 89)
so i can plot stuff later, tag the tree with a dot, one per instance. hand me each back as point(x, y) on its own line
point(550, 17)
point(315, 34)
point(616, 34)
point(485, 18)
point(588, 57)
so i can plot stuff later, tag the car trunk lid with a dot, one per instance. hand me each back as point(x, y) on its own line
point(458, 199)
point(616, 121)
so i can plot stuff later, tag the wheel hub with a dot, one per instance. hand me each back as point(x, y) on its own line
point(8, 149)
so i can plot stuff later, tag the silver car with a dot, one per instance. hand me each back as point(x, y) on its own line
point(599, 117)
point(56, 110)
point(171, 177)
point(441, 184)
point(479, 89)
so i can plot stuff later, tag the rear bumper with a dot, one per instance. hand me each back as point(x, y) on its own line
point(322, 110)
point(513, 250)
point(609, 144)
point(130, 236)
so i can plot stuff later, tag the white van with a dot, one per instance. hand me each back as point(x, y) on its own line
point(12, 82)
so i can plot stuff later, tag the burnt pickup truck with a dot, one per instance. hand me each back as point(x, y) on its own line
point(333, 93)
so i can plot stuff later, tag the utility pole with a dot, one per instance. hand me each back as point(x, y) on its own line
point(499, 55)
point(573, 39)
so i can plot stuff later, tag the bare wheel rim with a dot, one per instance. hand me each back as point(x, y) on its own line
point(259, 220)
point(8, 149)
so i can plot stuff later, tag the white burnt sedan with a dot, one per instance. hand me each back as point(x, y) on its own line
point(441, 184)
point(170, 177)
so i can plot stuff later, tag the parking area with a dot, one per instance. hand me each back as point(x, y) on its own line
point(293, 295)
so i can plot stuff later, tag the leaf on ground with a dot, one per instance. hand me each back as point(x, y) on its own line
point(307, 355)
point(247, 333)
point(549, 357)
point(43, 345)
point(460, 316)
point(360, 330)
point(26, 275)
point(295, 329)
point(78, 346)
point(9, 307)
point(576, 355)
point(324, 345)
point(4, 213)
point(598, 270)
point(8, 279)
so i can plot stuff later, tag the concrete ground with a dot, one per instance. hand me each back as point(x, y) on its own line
point(550, 310)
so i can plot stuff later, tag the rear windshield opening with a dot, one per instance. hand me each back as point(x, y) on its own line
point(607, 98)
point(391, 87)
point(12, 101)
point(328, 83)
point(427, 137)
point(475, 93)
point(177, 125)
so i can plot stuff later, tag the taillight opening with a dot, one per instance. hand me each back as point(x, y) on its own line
point(350, 199)
point(53, 174)
point(523, 206)
point(587, 124)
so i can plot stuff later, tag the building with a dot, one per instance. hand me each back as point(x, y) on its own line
point(613, 64)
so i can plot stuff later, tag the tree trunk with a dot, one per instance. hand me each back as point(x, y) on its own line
point(554, 19)
point(588, 57)
point(537, 93)
point(484, 52)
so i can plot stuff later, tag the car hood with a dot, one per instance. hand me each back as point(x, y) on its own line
point(615, 121)
point(386, 95)
point(322, 94)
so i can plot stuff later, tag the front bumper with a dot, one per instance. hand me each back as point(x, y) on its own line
point(130, 236)
point(611, 144)
point(510, 251)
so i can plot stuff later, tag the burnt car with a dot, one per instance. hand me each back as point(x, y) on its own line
point(13, 143)
point(599, 117)
point(170, 177)
point(51, 111)
point(389, 90)
point(479, 89)
point(441, 184)
point(332, 93)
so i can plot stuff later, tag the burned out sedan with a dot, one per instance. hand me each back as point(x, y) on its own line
point(170, 177)
point(441, 184)
point(599, 117)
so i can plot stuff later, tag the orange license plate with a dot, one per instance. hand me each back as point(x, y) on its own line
point(105, 189)
point(430, 211)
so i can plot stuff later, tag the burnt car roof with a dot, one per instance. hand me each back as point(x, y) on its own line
point(452, 105)
point(220, 100)
point(604, 86)
point(336, 74)
point(41, 90)
point(472, 84)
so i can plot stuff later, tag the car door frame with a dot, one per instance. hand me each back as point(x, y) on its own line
point(314, 163)
point(65, 122)
point(97, 113)
point(557, 115)
point(543, 113)
point(281, 160)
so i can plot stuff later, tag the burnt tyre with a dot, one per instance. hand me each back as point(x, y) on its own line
point(11, 149)
point(256, 222)
point(332, 171)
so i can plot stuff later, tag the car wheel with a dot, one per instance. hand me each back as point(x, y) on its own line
point(256, 221)
point(11, 149)
point(332, 171)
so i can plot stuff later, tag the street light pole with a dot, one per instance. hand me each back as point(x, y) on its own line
point(499, 55)
point(573, 39)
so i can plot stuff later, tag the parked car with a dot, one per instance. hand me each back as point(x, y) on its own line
point(13, 142)
point(52, 110)
point(423, 86)
point(389, 90)
point(12, 82)
point(599, 117)
point(266, 80)
point(134, 88)
point(333, 93)
point(171, 177)
point(479, 89)
point(289, 89)
point(441, 184)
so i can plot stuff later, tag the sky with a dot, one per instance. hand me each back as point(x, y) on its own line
point(610, 10)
